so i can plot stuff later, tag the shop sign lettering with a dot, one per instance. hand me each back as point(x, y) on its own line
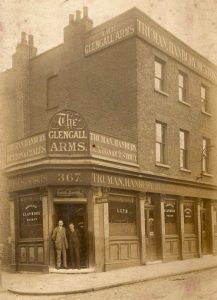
point(71, 192)
point(118, 181)
point(188, 214)
point(147, 30)
point(27, 181)
point(177, 50)
point(100, 200)
point(28, 149)
point(109, 36)
point(69, 177)
point(68, 135)
point(31, 210)
point(122, 212)
point(170, 212)
point(109, 148)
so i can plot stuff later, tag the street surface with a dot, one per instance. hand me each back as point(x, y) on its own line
point(199, 285)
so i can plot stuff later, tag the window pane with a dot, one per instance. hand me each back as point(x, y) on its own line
point(182, 139)
point(203, 92)
point(158, 152)
point(158, 69)
point(157, 84)
point(181, 94)
point(159, 132)
point(181, 80)
point(204, 144)
point(122, 216)
point(170, 213)
point(182, 159)
point(189, 218)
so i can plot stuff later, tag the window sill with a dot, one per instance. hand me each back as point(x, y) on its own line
point(207, 174)
point(206, 113)
point(185, 170)
point(162, 165)
point(185, 103)
point(161, 92)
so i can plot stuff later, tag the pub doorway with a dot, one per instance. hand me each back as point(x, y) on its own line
point(152, 230)
point(77, 214)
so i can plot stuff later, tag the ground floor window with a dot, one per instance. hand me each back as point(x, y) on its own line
point(189, 218)
point(170, 214)
point(30, 216)
point(122, 215)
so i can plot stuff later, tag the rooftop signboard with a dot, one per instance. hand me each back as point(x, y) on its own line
point(137, 24)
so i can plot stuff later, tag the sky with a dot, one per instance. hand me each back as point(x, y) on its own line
point(193, 21)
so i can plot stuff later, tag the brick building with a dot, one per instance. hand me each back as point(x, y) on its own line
point(114, 130)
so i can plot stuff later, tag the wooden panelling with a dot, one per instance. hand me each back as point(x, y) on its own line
point(31, 254)
point(114, 252)
point(172, 248)
point(123, 250)
point(134, 251)
point(151, 249)
point(190, 247)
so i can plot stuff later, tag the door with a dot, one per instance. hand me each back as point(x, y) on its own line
point(151, 233)
point(77, 214)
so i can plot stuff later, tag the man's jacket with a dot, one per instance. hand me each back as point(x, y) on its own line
point(59, 237)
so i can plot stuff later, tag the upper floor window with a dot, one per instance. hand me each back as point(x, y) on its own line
point(158, 75)
point(205, 155)
point(183, 141)
point(204, 98)
point(182, 87)
point(160, 142)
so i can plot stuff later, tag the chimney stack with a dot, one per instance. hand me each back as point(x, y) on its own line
point(85, 12)
point(31, 40)
point(78, 15)
point(23, 38)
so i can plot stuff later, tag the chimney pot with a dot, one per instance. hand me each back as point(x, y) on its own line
point(85, 12)
point(78, 15)
point(23, 38)
point(71, 19)
point(31, 40)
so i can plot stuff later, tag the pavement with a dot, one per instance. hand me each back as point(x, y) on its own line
point(83, 281)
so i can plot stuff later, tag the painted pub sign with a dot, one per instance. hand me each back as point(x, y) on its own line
point(68, 135)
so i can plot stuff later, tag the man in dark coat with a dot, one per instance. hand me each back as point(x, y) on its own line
point(61, 243)
point(74, 246)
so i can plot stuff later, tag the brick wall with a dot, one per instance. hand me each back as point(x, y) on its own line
point(102, 87)
point(7, 133)
point(154, 106)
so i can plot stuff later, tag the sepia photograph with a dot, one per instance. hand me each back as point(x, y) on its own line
point(108, 149)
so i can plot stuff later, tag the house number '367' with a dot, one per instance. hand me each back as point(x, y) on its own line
point(69, 177)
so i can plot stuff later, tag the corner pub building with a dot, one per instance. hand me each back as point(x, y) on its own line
point(114, 130)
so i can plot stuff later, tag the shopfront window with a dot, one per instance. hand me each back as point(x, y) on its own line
point(30, 216)
point(122, 215)
point(189, 218)
point(170, 213)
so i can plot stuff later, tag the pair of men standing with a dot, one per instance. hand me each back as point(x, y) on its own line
point(64, 241)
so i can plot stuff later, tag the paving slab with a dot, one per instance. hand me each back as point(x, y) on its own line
point(74, 282)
